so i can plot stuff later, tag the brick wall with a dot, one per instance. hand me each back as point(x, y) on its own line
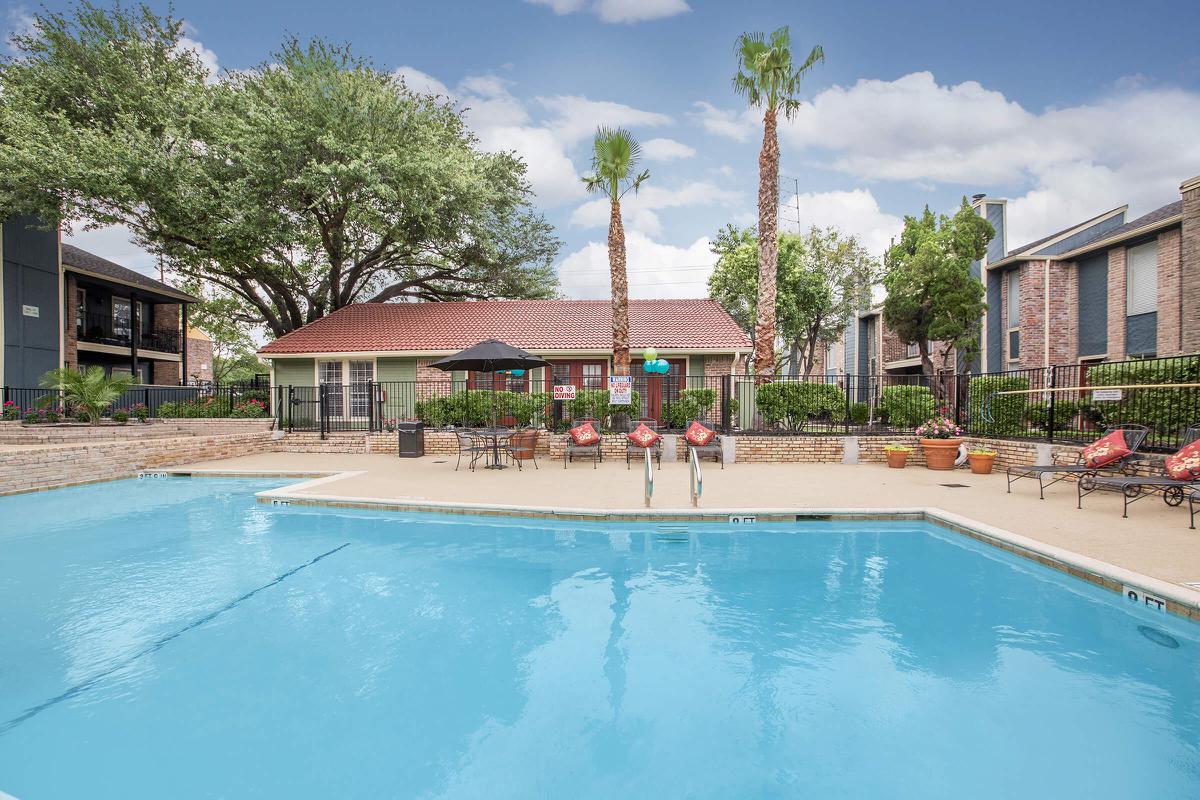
point(1064, 314)
point(63, 465)
point(789, 449)
point(1170, 274)
point(199, 359)
point(1190, 265)
point(1031, 305)
point(166, 317)
point(1116, 304)
point(718, 365)
point(70, 332)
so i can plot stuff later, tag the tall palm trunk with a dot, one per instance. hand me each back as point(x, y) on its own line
point(768, 247)
point(620, 290)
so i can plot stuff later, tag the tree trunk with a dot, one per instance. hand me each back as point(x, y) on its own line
point(930, 373)
point(794, 359)
point(768, 247)
point(620, 290)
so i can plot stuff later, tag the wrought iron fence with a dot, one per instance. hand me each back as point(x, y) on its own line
point(1067, 404)
point(159, 401)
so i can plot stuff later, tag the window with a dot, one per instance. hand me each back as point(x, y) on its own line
point(330, 373)
point(120, 318)
point(1141, 279)
point(593, 376)
point(361, 375)
point(1013, 314)
point(912, 350)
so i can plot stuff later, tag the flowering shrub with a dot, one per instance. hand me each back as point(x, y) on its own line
point(31, 416)
point(939, 426)
point(140, 412)
point(389, 424)
point(249, 409)
point(11, 412)
point(51, 416)
point(120, 417)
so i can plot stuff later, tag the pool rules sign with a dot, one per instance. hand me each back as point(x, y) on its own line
point(620, 390)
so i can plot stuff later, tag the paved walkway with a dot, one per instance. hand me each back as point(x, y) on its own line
point(1154, 540)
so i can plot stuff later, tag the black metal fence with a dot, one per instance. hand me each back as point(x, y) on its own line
point(1067, 404)
point(159, 401)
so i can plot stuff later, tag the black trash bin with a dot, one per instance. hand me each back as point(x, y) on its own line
point(412, 439)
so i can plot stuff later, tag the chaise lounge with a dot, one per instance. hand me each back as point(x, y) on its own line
point(1169, 483)
point(1134, 436)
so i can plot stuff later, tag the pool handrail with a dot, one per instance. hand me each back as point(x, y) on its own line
point(697, 478)
point(649, 483)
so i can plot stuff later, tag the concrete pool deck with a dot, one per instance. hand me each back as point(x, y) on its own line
point(1154, 541)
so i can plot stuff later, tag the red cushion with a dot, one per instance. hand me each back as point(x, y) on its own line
point(699, 435)
point(643, 436)
point(584, 434)
point(1106, 450)
point(1185, 465)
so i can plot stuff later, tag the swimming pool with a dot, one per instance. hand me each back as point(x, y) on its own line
point(173, 639)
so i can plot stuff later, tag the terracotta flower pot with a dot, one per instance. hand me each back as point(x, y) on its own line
point(940, 453)
point(981, 464)
point(896, 459)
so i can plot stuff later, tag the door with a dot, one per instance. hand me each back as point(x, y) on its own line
point(361, 375)
point(663, 390)
point(329, 374)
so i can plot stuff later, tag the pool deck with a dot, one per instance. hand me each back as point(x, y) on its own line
point(1154, 541)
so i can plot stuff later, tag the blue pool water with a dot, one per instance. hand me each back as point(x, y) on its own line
point(172, 639)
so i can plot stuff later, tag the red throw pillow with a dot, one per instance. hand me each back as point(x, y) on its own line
point(643, 436)
point(1185, 465)
point(699, 435)
point(1106, 450)
point(584, 434)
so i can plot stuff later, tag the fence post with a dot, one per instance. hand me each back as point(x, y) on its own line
point(726, 393)
point(1050, 413)
point(846, 421)
point(323, 406)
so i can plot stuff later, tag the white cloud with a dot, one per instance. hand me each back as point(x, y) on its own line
point(739, 126)
point(1132, 146)
point(655, 269)
point(638, 210)
point(576, 118)
point(855, 212)
point(207, 57)
point(114, 242)
point(20, 23)
point(618, 10)
point(666, 150)
point(421, 82)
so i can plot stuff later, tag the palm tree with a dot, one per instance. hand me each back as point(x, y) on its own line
point(768, 79)
point(90, 392)
point(614, 161)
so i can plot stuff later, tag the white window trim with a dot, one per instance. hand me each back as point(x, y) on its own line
point(1129, 284)
point(1009, 327)
point(345, 362)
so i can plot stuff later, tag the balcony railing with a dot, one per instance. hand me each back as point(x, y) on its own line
point(102, 329)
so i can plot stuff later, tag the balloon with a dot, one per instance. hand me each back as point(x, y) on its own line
point(663, 366)
point(650, 354)
point(650, 366)
point(516, 373)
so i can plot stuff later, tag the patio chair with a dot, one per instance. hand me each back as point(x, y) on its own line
point(635, 451)
point(472, 445)
point(713, 448)
point(593, 451)
point(522, 446)
point(1135, 487)
point(1135, 435)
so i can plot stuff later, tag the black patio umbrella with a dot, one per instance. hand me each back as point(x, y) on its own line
point(491, 355)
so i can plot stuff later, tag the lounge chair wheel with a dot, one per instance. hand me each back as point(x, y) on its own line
point(1173, 495)
point(1132, 491)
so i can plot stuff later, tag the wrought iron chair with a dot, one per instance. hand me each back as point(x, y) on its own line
point(1134, 487)
point(472, 445)
point(1135, 435)
point(522, 446)
point(713, 449)
point(593, 451)
point(635, 450)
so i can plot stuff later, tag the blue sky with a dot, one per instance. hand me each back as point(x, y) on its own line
point(1067, 109)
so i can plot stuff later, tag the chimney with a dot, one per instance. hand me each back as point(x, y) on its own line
point(1189, 191)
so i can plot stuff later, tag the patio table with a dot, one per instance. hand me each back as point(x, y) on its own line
point(495, 436)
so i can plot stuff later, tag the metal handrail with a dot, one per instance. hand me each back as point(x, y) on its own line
point(649, 488)
point(697, 478)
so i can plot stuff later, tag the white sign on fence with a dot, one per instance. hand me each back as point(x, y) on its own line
point(1106, 394)
point(31, 311)
point(620, 390)
point(565, 392)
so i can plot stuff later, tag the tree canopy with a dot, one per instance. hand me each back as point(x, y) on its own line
point(824, 277)
point(306, 184)
point(931, 294)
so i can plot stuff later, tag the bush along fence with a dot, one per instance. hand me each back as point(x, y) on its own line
point(1065, 404)
point(244, 401)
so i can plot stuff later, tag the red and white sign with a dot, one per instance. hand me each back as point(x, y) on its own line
point(564, 392)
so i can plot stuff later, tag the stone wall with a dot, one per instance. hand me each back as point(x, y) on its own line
point(16, 433)
point(1170, 274)
point(53, 466)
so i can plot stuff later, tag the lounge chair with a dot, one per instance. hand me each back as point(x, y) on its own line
point(522, 446)
point(713, 448)
point(592, 451)
point(1135, 435)
point(472, 445)
point(1135, 487)
point(635, 450)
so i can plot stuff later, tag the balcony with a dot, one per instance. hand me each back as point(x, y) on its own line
point(103, 329)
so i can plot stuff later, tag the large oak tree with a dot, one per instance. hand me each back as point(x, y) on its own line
point(306, 184)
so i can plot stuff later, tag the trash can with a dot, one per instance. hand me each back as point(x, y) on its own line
point(412, 439)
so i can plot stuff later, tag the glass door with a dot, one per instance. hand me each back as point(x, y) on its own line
point(329, 374)
point(361, 375)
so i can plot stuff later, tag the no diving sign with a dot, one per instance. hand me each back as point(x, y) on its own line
point(564, 392)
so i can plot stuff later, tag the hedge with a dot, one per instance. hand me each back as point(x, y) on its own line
point(475, 407)
point(1006, 414)
point(691, 404)
point(1164, 411)
point(792, 404)
point(906, 406)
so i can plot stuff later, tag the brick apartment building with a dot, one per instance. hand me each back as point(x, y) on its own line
point(1105, 289)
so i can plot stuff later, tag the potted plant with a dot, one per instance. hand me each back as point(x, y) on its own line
point(897, 455)
point(981, 461)
point(940, 439)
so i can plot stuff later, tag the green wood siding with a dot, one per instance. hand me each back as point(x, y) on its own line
point(395, 369)
point(294, 372)
point(695, 368)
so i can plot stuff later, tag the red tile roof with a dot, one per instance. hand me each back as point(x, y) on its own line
point(537, 325)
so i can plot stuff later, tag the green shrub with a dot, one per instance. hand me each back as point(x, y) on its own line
point(248, 409)
point(691, 404)
point(1164, 411)
point(1006, 414)
point(906, 406)
point(860, 413)
point(1037, 413)
point(51, 416)
point(594, 403)
point(168, 410)
point(120, 416)
point(792, 404)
